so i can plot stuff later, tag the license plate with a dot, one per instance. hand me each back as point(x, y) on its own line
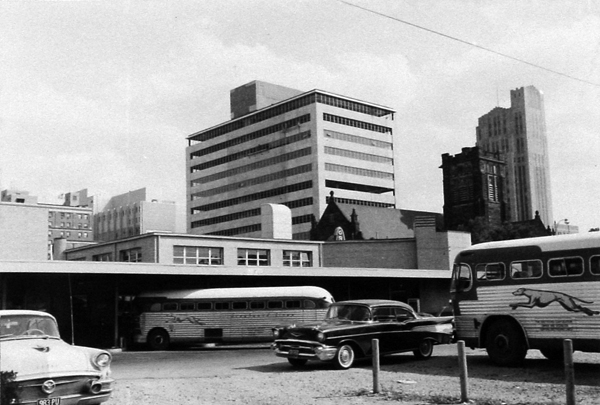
point(49, 401)
point(294, 353)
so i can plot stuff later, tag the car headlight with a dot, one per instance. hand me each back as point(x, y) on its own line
point(276, 333)
point(320, 336)
point(102, 360)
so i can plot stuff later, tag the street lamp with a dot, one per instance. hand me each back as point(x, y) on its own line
point(566, 221)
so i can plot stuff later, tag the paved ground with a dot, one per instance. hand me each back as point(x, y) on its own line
point(255, 376)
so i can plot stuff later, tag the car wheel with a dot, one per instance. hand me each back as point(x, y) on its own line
point(344, 358)
point(298, 362)
point(158, 339)
point(505, 343)
point(425, 349)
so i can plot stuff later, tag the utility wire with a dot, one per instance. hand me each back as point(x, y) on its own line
point(469, 43)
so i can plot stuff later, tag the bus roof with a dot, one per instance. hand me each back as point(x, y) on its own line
point(242, 292)
point(546, 243)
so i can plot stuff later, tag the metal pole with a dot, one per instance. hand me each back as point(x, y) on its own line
point(462, 364)
point(569, 371)
point(375, 346)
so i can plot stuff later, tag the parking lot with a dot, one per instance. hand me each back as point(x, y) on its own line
point(253, 375)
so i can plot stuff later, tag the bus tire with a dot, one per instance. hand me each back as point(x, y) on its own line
point(425, 349)
point(158, 339)
point(297, 362)
point(505, 343)
point(344, 357)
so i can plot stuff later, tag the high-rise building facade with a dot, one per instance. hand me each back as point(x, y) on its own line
point(519, 133)
point(293, 148)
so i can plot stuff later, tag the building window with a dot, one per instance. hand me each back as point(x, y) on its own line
point(131, 255)
point(253, 257)
point(103, 257)
point(198, 255)
point(293, 258)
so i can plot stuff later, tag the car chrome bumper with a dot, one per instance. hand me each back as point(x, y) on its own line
point(306, 350)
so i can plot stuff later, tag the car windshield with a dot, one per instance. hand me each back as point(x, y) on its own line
point(26, 326)
point(348, 312)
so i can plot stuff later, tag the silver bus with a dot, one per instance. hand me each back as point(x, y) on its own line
point(223, 315)
point(515, 295)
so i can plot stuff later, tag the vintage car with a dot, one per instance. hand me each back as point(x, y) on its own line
point(349, 327)
point(39, 368)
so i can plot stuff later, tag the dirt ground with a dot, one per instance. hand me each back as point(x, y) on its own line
point(268, 380)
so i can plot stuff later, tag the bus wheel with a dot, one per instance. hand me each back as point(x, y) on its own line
point(425, 349)
point(505, 343)
point(158, 339)
point(344, 358)
point(554, 355)
point(298, 362)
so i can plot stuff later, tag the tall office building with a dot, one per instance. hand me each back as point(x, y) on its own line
point(519, 133)
point(293, 148)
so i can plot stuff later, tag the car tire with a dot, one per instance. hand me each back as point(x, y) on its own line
point(344, 357)
point(505, 343)
point(425, 349)
point(297, 362)
point(158, 339)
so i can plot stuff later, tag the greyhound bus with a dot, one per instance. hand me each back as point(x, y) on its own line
point(223, 315)
point(511, 296)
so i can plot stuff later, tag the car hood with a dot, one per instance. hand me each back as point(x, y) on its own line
point(309, 331)
point(46, 358)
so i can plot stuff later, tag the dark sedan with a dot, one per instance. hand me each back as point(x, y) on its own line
point(349, 327)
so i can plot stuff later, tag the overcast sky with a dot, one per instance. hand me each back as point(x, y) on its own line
point(102, 94)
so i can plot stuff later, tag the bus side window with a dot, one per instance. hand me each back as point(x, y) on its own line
point(495, 271)
point(557, 268)
point(240, 305)
point(595, 264)
point(526, 269)
point(170, 306)
point(222, 306)
point(275, 304)
point(574, 266)
point(204, 306)
point(257, 305)
point(155, 307)
point(293, 304)
point(187, 306)
point(309, 304)
point(480, 270)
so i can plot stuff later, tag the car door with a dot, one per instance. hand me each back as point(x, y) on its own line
point(386, 328)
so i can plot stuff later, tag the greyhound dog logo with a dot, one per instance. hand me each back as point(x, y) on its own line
point(188, 318)
point(541, 298)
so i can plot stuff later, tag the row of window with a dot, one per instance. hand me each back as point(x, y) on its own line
point(252, 119)
point(358, 171)
point(67, 234)
point(68, 215)
point(357, 139)
point(213, 256)
point(282, 126)
point(353, 106)
point(233, 305)
point(79, 225)
point(248, 214)
point(253, 166)
point(232, 157)
point(557, 267)
point(368, 157)
point(284, 174)
point(356, 123)
point(253, 197)
point(361, 202)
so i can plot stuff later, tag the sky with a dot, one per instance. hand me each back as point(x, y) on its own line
point(103, 94)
